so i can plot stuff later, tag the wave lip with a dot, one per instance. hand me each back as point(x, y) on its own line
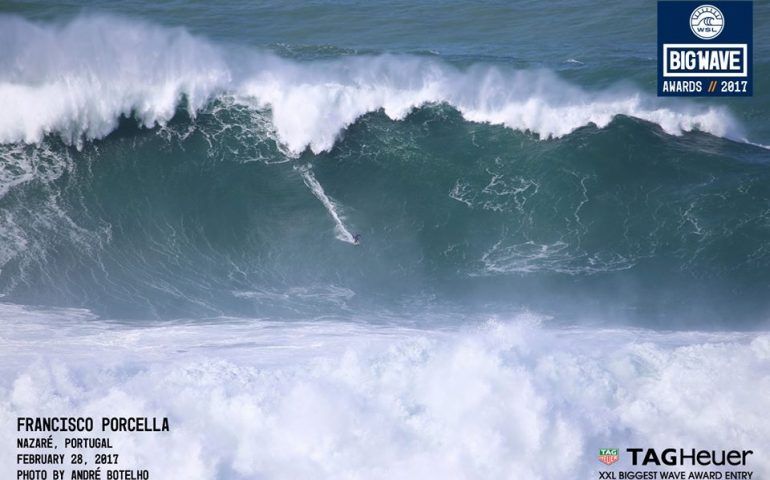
point(312, 103)
point(76, 80)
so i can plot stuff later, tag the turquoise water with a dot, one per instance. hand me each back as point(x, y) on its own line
point(552, 259)
point(162, 171)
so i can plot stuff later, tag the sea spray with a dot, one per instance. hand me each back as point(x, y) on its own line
point(488, 400)
point(57, 83)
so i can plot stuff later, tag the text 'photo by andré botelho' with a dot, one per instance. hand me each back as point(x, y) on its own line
point(391, 240)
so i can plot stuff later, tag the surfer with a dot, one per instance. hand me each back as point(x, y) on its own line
point(357, 238)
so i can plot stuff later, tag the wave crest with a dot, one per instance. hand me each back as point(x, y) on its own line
point(76, 80)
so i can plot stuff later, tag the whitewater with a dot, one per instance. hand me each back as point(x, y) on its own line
point(56, 83)
point(326, 399)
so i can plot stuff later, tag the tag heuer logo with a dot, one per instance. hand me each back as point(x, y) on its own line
point(608, 456)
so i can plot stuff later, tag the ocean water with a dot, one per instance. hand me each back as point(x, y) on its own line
point(553, 260)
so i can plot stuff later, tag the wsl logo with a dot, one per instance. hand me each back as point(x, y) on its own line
point(705, 49)
point(707, 22)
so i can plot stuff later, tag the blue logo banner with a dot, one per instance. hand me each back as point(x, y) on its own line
point(705, 48)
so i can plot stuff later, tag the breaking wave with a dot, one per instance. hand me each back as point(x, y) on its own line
point(152, 173)
point(75, 80)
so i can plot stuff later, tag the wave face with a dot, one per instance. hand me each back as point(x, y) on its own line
point(157, 174)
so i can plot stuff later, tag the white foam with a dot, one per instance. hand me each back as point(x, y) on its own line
point(76, 80)
point(498, 400)
point(311, 103)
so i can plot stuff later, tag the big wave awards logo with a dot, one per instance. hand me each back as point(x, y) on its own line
point(705, 49)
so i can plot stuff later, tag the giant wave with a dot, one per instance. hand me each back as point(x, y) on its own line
point(153, 173)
